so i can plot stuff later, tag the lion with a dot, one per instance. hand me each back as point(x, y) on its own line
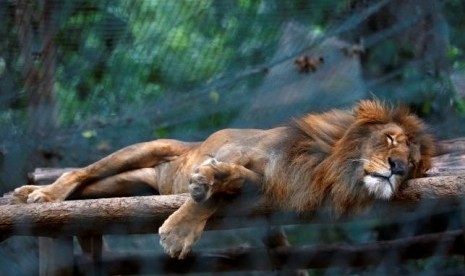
point(345, 158)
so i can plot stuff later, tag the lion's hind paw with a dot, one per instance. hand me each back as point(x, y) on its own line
point(39, 196)
point(21, 194)
point(31, 194)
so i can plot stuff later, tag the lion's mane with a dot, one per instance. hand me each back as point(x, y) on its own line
point(322, 153)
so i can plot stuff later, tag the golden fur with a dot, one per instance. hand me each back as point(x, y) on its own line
point(346, 158)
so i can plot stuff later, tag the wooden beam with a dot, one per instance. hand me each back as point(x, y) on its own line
point(450, 146)
point(291, 258)
point(92, 248)
point(56, 256)
point(42, 176)
point(438, 187)
point(89, 217)
point(146, 213)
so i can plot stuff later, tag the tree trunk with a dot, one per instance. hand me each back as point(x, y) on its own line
point(36, 30)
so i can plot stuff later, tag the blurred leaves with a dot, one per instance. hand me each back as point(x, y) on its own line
point(120, 54)
point(91, 133)
point(214, 96)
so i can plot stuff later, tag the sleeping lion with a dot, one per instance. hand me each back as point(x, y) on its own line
point(346, 158)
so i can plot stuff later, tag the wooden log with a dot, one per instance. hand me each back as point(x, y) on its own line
point(448, 164)
point(450, 146)
point(145, 214)
point(89, 217)
point(291, 258)
point(42, 176)
point(92, 247)
point(438, 187)
point(56, 256)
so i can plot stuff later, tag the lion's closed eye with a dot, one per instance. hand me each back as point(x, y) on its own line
point(390, 140)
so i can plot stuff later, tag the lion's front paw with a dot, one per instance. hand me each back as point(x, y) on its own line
point(177, 240)
point(201, 181)
point(211, 177)
point(199, 187)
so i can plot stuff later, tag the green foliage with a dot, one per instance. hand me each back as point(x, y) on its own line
point(134, 52)
point(122, 54)
point(116, 55)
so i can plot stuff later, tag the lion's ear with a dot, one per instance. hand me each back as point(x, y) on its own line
point(371, 112)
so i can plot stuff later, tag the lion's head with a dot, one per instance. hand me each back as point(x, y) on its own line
point(382, 148)
point(358, 155)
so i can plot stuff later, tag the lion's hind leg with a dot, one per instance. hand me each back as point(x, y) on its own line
point(131, 183)
point(138, 156)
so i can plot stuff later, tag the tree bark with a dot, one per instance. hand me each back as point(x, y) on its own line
point(36, 30)
point(456, 146)
point(438, 187)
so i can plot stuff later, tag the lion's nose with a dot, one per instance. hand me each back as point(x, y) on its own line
point(397, 166)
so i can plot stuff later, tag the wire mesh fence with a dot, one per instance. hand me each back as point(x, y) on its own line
point(80, 79)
